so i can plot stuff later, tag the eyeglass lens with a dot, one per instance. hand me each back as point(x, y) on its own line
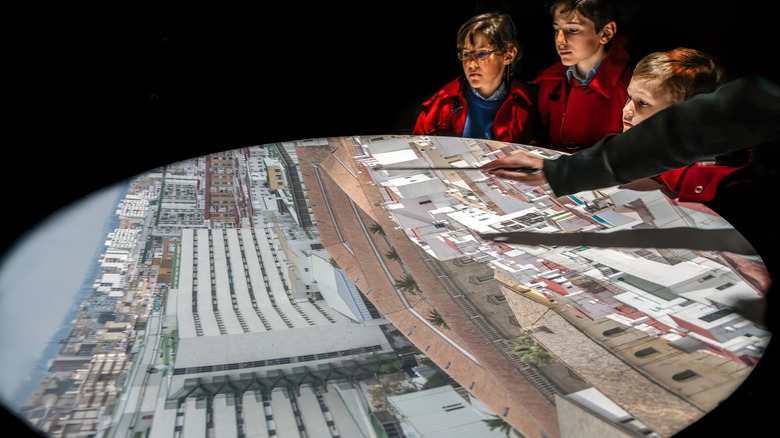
point(482, 55)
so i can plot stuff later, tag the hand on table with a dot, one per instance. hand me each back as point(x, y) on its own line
point(520, 158)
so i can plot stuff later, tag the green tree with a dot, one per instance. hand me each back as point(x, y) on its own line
point(531, 351)
point(407, 284)
point(392, 367)
point(435, 318)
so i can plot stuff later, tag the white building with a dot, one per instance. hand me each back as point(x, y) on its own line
point(443, 413)
point(252, 357)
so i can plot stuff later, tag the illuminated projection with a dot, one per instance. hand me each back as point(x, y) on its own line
point(334, 286)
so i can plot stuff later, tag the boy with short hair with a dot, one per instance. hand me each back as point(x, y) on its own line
point(660, 80)
point(580, 96)
point(485, 102)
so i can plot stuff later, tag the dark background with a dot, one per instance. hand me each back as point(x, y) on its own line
point(100, 94)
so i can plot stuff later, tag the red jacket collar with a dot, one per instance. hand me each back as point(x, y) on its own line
point(458, 87)
point(608, 73)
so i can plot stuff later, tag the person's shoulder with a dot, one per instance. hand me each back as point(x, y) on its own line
point(555, 72)
point(614, 74)
point(453, 88)
point(520, 91)
point(619, 48)
point(763, 83)
point(618, 59)
point(736, 91)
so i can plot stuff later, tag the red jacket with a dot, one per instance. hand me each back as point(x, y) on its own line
point(697, 182)
point(445, 113)
point(577, 116)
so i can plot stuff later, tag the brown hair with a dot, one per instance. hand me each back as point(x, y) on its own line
point(684, 72)
point(600, 12)
point(497, 27)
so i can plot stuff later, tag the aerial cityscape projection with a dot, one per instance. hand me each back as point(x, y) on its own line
point(314, 288)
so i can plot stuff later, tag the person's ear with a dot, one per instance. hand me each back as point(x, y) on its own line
point(510, 55)
point(607, 32)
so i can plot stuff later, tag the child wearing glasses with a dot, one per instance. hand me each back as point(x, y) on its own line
point(485, 102)
point(660, 80)
point(580, 97)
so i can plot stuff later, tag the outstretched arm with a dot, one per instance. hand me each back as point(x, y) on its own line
point(741, 114)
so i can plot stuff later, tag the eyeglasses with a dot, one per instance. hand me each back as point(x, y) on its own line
point(480, 54)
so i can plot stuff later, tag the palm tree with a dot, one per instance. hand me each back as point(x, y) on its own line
point(503, 426)
point(407, 284)
point(376, 228)
point(435, 318)
point(393, 255)
point(531, 351)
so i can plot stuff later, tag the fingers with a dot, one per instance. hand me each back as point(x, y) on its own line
point(532, 179)
point(499, 168)
point(493, 165)
point(519, 158)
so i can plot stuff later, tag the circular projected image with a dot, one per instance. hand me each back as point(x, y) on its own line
point(375, 286)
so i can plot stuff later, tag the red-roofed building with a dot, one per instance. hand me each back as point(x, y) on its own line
point(551, 286)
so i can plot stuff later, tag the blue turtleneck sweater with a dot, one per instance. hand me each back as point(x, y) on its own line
point(482, 112)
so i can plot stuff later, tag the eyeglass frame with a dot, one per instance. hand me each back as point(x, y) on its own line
point(474, 53)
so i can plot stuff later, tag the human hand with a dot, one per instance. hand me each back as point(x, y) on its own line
point(519, 158)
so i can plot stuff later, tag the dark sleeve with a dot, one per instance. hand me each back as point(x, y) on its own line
point(739, 115)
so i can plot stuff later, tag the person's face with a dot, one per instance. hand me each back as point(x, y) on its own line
point(645, 98)
point(485, 75)
point(577, 41)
